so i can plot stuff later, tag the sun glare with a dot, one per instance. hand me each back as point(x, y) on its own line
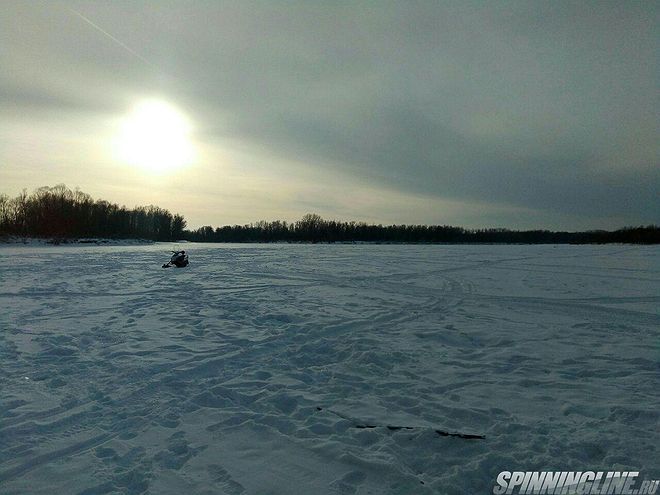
point(155, 136)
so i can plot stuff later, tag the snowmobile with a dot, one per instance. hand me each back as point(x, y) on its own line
point(179, 259)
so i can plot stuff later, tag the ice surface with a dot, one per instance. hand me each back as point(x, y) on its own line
point(248, 371)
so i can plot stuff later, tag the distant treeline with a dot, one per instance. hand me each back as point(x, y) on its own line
point(58, 212)
point(313, 228)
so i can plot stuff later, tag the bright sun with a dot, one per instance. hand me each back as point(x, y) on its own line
point(155, 136)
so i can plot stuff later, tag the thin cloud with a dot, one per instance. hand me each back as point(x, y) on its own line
point(547, 108)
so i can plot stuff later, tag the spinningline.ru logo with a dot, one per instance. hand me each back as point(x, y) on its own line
point(573, 482)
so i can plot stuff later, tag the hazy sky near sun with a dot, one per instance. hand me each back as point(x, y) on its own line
point(516, 114)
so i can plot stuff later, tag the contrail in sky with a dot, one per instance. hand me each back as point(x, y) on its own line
point(120, 43)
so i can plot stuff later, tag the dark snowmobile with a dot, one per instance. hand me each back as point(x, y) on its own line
point(179, 259)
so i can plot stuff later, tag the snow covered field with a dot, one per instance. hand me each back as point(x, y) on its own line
point(257, 369)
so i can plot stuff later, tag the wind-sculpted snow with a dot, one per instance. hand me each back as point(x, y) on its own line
point(324, 368)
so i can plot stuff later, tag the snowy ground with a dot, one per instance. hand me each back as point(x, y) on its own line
point(117, 376)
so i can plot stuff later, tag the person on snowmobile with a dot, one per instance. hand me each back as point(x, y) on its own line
point(179, 259)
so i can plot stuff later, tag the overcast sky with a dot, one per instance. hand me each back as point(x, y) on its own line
point(513, 114)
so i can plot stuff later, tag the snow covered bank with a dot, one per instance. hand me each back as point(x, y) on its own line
point(257, 368)
point(47, 241)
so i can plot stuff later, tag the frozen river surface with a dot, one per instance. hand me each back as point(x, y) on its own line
point(277, 368)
